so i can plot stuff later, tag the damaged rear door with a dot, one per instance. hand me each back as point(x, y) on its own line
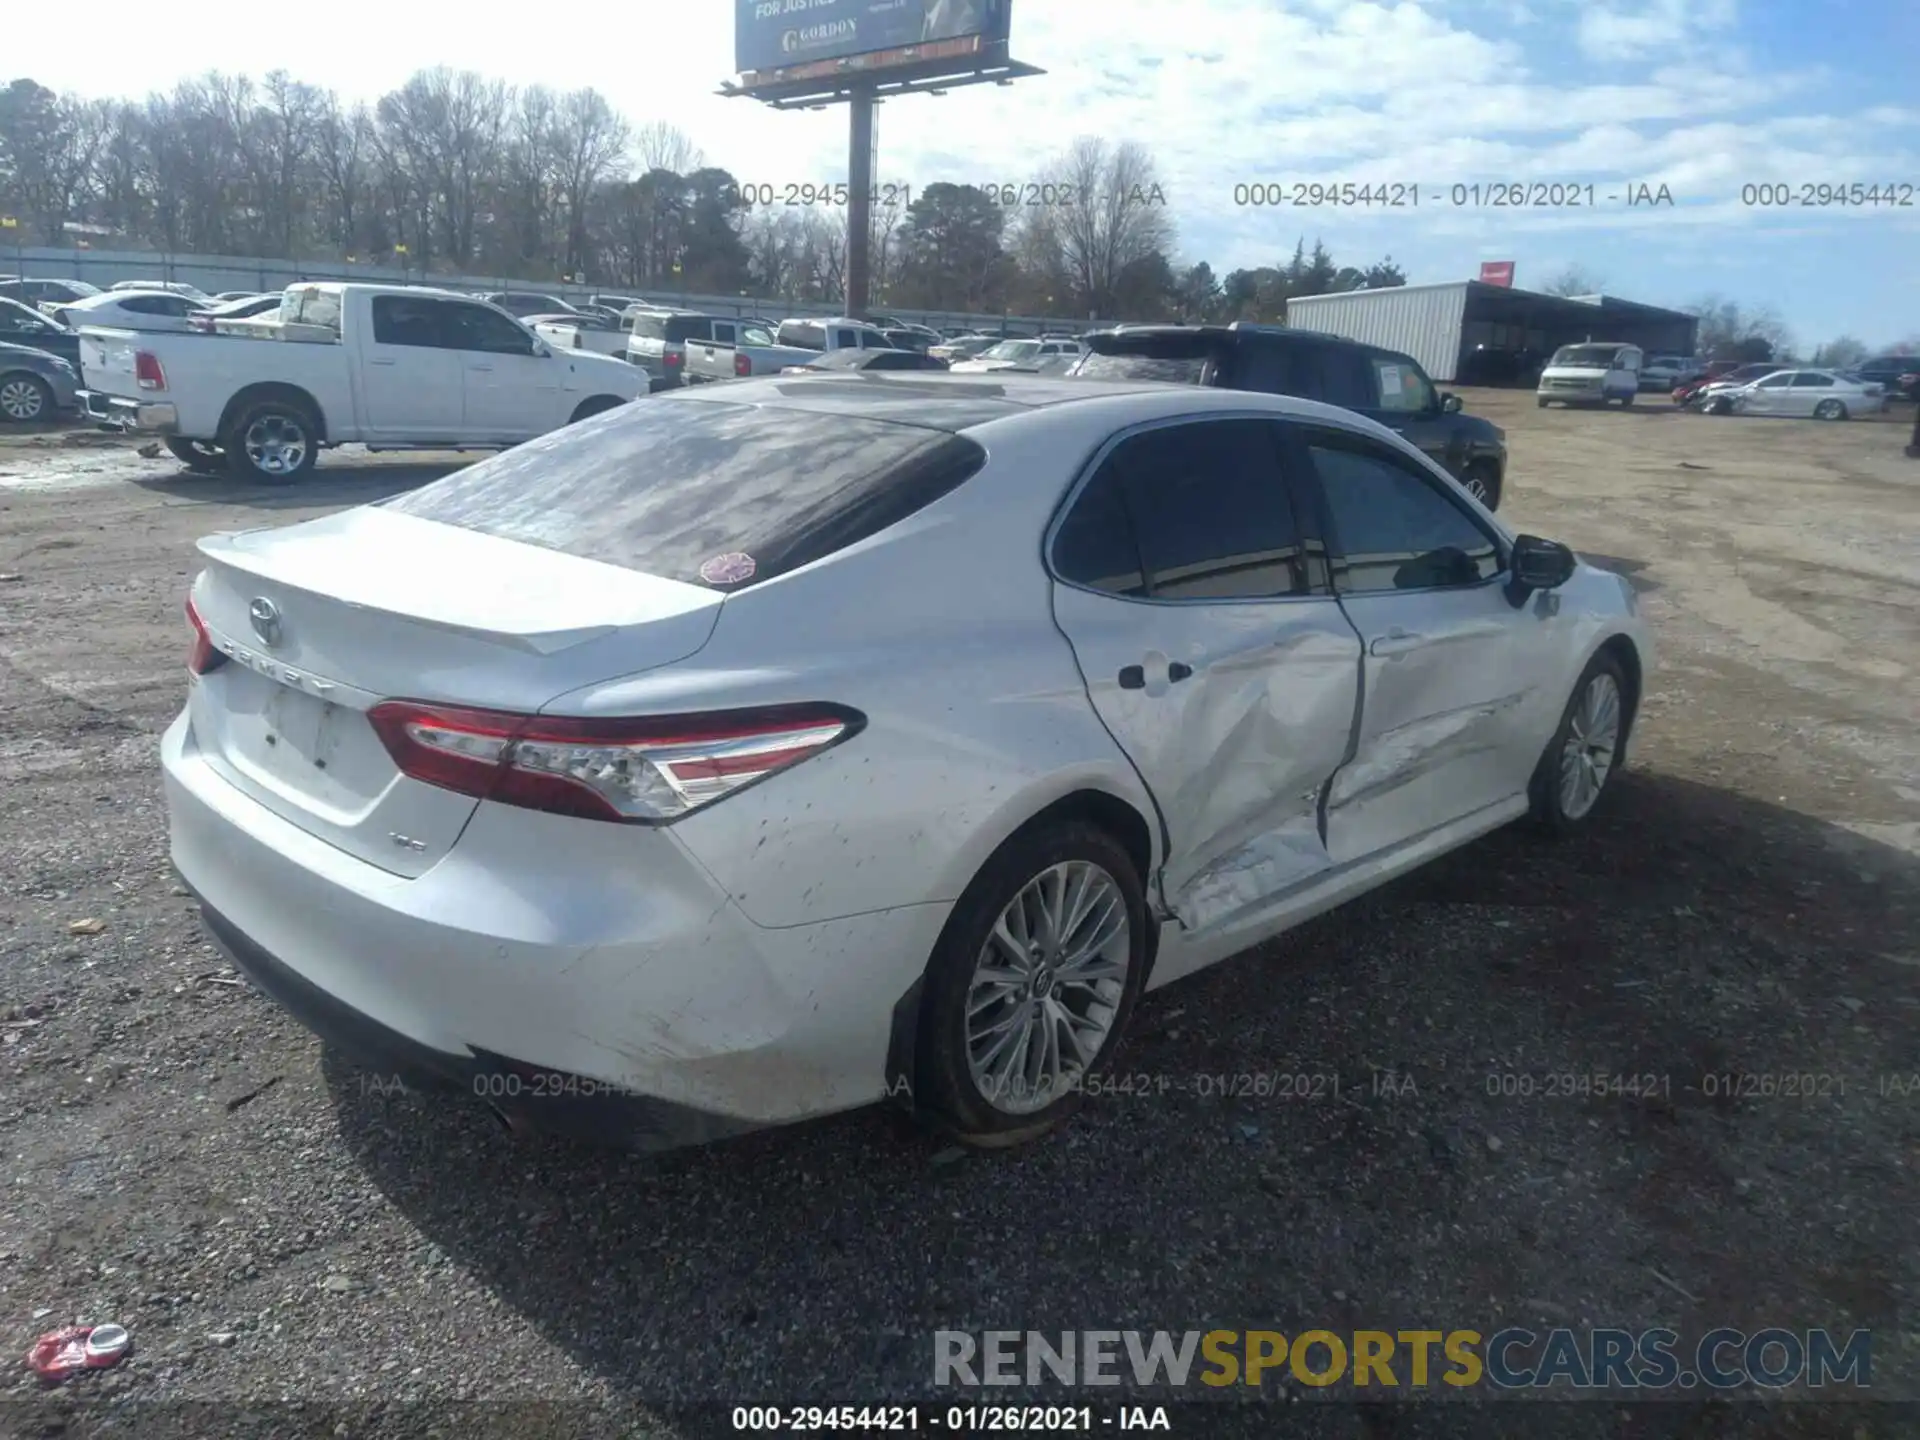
point(1451, 668)
point(1231, 684)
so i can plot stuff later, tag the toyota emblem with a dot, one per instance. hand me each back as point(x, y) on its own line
point(265, 616)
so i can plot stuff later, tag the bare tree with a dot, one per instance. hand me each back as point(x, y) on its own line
point(48, 144)
point(661, 146)
point(589, 149)
point(1103, 210)
point(1575, 280)
point(344, 155)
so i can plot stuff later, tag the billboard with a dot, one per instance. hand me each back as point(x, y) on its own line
point(1496, 272)
point(780, 34)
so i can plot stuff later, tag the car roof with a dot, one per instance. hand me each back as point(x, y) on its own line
point(939, 400)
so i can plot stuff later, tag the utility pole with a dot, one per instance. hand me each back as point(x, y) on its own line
point(860, 201)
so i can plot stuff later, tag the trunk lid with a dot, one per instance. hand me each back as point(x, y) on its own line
point(324, 620)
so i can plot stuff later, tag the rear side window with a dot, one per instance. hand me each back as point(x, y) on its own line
point(406, 320)
point(803, 336)
point(1195, 511)
point(667, 486)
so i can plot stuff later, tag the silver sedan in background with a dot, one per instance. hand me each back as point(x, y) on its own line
point(1809, 394)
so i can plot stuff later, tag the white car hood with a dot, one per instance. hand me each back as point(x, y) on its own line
point(1574, 372)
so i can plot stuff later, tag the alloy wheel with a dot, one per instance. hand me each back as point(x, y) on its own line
point(1047, 987)
point(276, 445)
point(1593, 735)
point(22, 400)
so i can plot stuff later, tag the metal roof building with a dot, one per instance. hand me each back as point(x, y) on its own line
point(1439, 325)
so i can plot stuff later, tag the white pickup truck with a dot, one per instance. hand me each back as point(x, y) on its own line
point(391, 367)
point(799, 342)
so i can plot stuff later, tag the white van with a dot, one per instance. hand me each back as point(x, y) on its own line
point(1595, 372)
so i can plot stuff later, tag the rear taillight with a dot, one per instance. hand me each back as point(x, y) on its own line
point(147, 371)
point(641, 770)
point(204, 657)
point(742, 365)
point(672, 358)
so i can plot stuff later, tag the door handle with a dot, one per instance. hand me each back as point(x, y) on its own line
point(380, 362)
point(480, 367)
point(1178, 670)
point(1396, 642)
point(1133, 677)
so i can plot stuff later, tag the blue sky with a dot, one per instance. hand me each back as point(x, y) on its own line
point(1702, 96)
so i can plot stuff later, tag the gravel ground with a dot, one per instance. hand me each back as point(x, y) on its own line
point(302, 1249)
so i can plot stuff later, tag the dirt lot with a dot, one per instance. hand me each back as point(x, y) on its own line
point(274, 1228)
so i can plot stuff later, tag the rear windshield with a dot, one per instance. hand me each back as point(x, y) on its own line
point(1597, 357)
point(674, 487)
point(1179, 369)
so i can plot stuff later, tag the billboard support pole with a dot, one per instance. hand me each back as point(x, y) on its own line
point(859, 200)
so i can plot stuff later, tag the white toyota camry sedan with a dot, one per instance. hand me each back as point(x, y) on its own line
point(772, 748)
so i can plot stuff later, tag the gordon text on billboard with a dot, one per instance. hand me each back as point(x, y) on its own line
point(776, 34)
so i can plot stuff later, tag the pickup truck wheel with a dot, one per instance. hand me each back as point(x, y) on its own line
point(25, 399)
point(598, 405)
point(274, 441)
point(1482, 481)
point(196, 454)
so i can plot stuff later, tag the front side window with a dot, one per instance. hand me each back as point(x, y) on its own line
point(1403, 387)
point(1394, 527)
point(469, 327)
point(1777, 382)
point(1206, 511)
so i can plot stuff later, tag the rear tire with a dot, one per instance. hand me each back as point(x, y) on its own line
point(1830, 410)
point(274, 442)
point(1017, 1015)
point(598, 405)
point(1626, 400)
point(1584, 755)
point(25, 399)
point(197, 455)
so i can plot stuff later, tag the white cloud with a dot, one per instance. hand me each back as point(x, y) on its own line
point(1613, 31)
point(1222, 91)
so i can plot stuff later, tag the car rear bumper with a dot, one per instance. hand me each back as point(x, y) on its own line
point(582, 978)
point(159, 417)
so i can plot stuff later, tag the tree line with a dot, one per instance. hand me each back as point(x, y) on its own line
point(457, 172)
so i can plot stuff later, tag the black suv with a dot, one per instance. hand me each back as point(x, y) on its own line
point(1382, 385)
point(1886, 370)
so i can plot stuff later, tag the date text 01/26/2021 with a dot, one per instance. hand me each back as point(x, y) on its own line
point(1479, 195)
point(950, 1419)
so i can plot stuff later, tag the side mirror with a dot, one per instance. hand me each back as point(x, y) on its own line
point(1537, 564)
point(542, 350)
point(1450, 403)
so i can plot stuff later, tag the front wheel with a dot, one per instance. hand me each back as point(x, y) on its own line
point(1541, 401)
point(1830, 410)
point(1031, 985)
point(1584, 754)
point(1626, 399)
point(274, 441)
point(1482, 481)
